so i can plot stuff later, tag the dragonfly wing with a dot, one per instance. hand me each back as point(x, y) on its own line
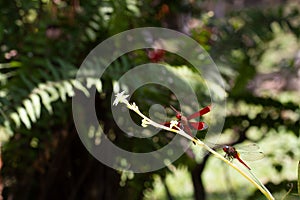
point(201, 112)
point(177, 112)
point(252, 156)
point(198, 125)
point(188, 130)
point(248, 147)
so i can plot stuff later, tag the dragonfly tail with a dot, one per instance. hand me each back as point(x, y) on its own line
point(241, 161)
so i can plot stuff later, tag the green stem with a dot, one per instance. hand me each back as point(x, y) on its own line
point(262, 185)
point(262, 189)
point(259, 186)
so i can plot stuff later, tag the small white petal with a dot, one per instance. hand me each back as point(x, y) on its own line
point(145, 123)
point(173, 123)
point(120, 98)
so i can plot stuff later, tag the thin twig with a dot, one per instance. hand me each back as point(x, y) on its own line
point(121, 98)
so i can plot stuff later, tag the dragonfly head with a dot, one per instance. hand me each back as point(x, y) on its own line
point(226, 148)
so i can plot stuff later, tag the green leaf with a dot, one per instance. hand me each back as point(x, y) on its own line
point(46, 100)
point(52, 90)
point(15, 64)
point(98, 85)
point(27, 81)
point(54, 71)
point(43, 74)
point(96, 82)
point(69, 88)
point(90, 82)
point(62, 92)
point(124, 61)
point(30, 109)
point(8, 128)
point(24, 117)
point(77, 84)
point(90, 33)
point(10, 65)
point(4, 65)
point(4, 136)
point(15, 117)
point(5, 132)
point(37, 104)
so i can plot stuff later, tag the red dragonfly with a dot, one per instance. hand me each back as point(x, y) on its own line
point(250, 153)
point(185, 123)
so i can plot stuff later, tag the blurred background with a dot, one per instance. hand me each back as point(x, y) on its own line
point(255, 45)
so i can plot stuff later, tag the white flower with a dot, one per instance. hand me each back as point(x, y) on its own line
point(173, 123)
point(145, 123)
point(120, 98)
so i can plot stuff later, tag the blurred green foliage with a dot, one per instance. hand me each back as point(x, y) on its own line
point(42, 44)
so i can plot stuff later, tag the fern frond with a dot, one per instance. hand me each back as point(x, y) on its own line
point(47, 93)
point(22, 101)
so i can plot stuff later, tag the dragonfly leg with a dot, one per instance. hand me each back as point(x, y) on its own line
point(228, 157)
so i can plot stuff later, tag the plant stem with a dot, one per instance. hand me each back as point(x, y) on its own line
point(256, 182)
point(216, 154)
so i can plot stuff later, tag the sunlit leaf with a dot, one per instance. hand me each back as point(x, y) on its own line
point(30, 109)
point(77, 84)
point(46, 100)
point(24, 117)
point(15, 117)
point(69, 88)
point(4, 135)
point(37, 104)
point(54, 95)
point(62, 92)
point(94, 82)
